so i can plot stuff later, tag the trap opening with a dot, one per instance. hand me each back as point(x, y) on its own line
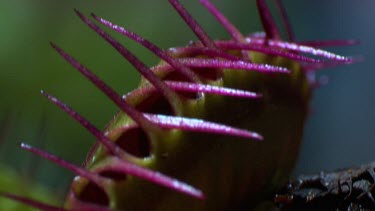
point(135, 142)
point(94, 194)
point(155, 103)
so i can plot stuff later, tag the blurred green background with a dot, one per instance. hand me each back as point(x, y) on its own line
point(340, 131)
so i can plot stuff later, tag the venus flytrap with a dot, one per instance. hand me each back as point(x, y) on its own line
point(216, 125)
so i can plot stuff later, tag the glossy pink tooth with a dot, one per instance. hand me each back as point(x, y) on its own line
point(116, 98)
point(268, 23)
point(230, 45)
point(234, 65)
point(198, 125)
point(125, 167)
point(204, 88)
point(153, 48)
point(318, 66)
point(109, 145)
point(298, 48)
point(169, 94)
point(32, 203)
point(231, 29)
point(208, 89)
point(285, 20)
point(93, 177)
point(195, 27)
point(217, 63)
point(154, 177)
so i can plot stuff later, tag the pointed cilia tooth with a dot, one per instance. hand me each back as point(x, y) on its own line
point(268, 22)
point(121, 166)
point(32, 203)
point(156, 50)
point(194, 26)
point(111, 147)
point(267, 50)
point(169, 94)
point(295, 47)
point(203, 88)
point(208, 89)
point(198, 125)
point(236, 35)
point(235, 65)
point(116, 98)
point(285, 20)
point(184, 139)
point(65, 164)
point(233, 31)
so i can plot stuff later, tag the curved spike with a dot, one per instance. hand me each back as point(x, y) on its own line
point(154, 177)
point(217, 63)
point(268, 23)
point(169, 94)
point(153, 48)
point(32, 203)
point(235, 65)
point(204, 88)
point(198, 125)
point(116, 98)
point(285, 20)
point(195, 88)
point(208, 89)
point(102, 182)
point(129, 168)
point(299, 48)
point(315, 67)
point(65, 164)
point(194, 26)
point(329, 43)
point(233, 31)
point(266, 50)
point(109, 145)
point(318, 66)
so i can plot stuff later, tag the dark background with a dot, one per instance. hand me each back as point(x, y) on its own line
point(340, 131)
